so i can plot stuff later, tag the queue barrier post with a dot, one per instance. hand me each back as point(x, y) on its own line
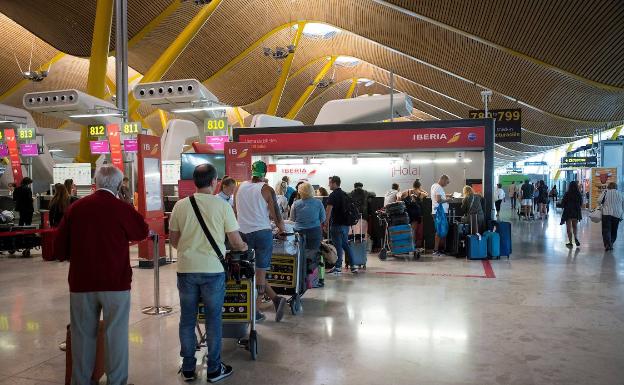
point(157, 308)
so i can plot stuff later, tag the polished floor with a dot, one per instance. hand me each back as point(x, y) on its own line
point(549, 315)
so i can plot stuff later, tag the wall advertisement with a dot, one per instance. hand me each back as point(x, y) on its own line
point(600, 179)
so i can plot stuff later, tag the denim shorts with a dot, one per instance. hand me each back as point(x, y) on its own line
point(262, 242)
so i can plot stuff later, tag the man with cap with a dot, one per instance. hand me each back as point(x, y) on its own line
point(255, 206)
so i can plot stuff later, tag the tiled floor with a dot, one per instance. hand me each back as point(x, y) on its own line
point(551, 316)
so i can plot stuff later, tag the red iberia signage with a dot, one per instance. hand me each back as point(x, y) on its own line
point(367, 140)
point(16, 164)
point(238, 161)
point(115, 145)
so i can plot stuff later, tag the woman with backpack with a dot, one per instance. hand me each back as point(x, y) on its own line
point(413, 205)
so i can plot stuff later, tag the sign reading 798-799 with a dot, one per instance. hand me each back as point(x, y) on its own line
point(508, 123)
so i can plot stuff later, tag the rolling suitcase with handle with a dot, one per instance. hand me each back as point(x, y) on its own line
point(359, 248)
point(504, 230)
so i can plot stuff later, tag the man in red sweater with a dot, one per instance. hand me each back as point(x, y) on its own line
point(94, 236)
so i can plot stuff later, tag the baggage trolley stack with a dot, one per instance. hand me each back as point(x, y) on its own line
point(398, 239)
point(239, 306)
point(288, 270)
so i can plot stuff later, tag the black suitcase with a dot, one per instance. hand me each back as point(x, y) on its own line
point(376, 228)
point(395, 208)
point(428, 226)
point(402, 219)
point(456, 239)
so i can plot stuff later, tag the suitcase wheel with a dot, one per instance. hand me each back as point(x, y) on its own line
point(295, 305)
point(383, 254)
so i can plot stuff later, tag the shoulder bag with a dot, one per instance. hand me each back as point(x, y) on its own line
point(213, 243)
point(595, 215)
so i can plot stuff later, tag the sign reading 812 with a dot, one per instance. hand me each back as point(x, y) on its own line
point(97, 130)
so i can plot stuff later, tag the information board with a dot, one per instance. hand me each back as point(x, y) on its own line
point(508, 126)
point(238, 161)
point(29, 149)
point(79, 172)
point(579, 161)
point(170, 172)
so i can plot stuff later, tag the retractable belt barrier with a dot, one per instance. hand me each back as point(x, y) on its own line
point(157, 308)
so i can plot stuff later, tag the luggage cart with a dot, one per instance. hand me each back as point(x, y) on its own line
point(239, 306)
point(288, 269)
point(387, 249)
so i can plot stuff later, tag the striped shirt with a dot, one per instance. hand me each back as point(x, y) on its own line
point(613, 203)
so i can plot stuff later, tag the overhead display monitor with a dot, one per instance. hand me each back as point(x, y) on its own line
point(191, 160)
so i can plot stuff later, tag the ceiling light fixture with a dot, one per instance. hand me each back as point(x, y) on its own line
point(95, 115)
point(55, 150)
point(7, 121)
point(199, 109)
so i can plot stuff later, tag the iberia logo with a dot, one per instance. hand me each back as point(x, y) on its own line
point(454, 138)
point(311, 174)
point(243, 154)
point(154, 150)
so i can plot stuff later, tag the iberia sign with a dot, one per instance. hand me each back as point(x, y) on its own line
point(368, 140)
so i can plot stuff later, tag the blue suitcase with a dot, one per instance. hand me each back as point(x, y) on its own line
point(504, 230)
point(401, 239)
point(493, 244)
point(359, 250)
point(476, 247)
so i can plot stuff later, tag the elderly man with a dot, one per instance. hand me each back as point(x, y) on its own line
point(197, 223)
point(94, 236)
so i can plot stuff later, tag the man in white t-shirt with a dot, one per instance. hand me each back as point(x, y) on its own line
point(438, 197)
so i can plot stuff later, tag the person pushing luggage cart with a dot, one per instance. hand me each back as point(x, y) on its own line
point(256, 205)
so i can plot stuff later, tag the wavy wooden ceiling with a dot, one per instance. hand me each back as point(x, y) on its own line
point(563, 57)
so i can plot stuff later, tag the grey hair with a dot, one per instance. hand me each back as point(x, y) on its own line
point(108, 177)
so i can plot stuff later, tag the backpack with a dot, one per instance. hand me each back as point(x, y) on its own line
point(352, 214)
point(412, 207)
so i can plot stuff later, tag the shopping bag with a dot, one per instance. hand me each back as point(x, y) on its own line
point(441, 224)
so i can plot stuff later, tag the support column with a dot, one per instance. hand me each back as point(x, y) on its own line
point(351, 90)
point(169, 56)
point(281, 82)
point(239, 117)
point(163, 119)
point(616, 133)
point(306, 94)
point(96, 82)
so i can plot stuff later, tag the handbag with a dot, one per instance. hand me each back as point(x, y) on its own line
point(213, 243)
point(595, 215)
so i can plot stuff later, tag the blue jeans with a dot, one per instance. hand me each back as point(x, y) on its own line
point(312, 238)
point(340, 238)
point(211, 288)
point(261, 242)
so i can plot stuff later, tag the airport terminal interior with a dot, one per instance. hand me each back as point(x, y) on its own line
point(398, 192)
